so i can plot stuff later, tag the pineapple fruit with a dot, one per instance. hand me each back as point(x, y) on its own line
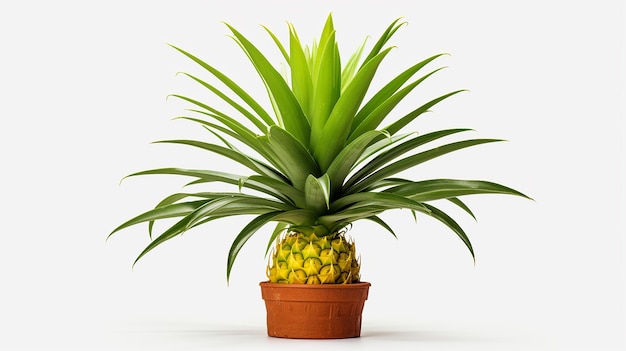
point(327, 155)
point(308, 259)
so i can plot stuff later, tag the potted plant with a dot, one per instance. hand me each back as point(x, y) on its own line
point(324, 157)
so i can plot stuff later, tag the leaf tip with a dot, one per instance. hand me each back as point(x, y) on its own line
point(123, 178)
point(106, 240)
point(132, 268)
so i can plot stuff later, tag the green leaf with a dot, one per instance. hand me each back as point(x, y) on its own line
point(229, 153)
point(386, 183)
point(278, 44)
point(414, 160)
point(294, 159)
point(326, 87)
point(371, 204)
point(462, 205)
point(436, 189)
point(327, 35)
point(251, 117)
point(210, 111)
point(347, 158)
point(389, 89)
point(223, 130)
point(304, 217)
point(218, 208)
point(383, 108)
point(289, 110)
point(380, 145)
point(205, 176)
point(317, 192)
point(383, 224)
point(350, 68)
point(185, 223)
point(450, 223)
point(337, 128)
point(252, 227)
point(349, 215)
point(408, 118)
point(162, 212)
point(397, 151)
point(239, 208)
point(258, 144)
point(266, 169)
point(389, 32)
point(294, 195)
point(301, 80)
point(230, 122)
point(377, 199)
point(232, 86)
point(171, 199)
point(281, 227)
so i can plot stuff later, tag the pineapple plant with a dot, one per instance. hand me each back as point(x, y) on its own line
point(327, 154)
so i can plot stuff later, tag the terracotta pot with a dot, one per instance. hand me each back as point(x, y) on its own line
point(326, 311)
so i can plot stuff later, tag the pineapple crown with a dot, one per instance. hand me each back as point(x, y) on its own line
point(322, 158)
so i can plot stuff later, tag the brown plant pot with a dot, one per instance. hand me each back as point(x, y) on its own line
point(326, 311)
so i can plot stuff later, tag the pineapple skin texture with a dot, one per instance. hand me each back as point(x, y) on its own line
point(308, 259)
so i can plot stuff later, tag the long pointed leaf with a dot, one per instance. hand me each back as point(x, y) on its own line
point(231, 154)
point(408, 118)
point(294, 195)
point(231, 85)
point(301, 80)
point(389, 89)
point(391, 29)
point(252, 118)
point(162, 212)
point(435, 189)
point(383, 224)
point(350, 68)
point(377, 199)
point(350, 215)
point(337, 128)
point(226, 120)
point(462, 205)
point(304, 217)
point(293, 157)
point(373, 119)
point(205, 176)
point(266, 169)
point(326, 87)
point(317, 192)
point(184, 224)
point(452, 224)
point(223, 130)
point(397, 151)
point(172, 199)
point(280, 45)
point(347, 158)
point(253, 141)
point(412, 161)
point(252, 227)
point(281, 227)
point(382, 144)
point(289, 110)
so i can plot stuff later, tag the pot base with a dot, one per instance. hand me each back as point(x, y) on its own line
point(325, 311)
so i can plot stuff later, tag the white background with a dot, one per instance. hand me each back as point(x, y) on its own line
point(82, 95)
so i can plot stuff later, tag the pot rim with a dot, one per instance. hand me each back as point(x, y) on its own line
point(314, 286)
